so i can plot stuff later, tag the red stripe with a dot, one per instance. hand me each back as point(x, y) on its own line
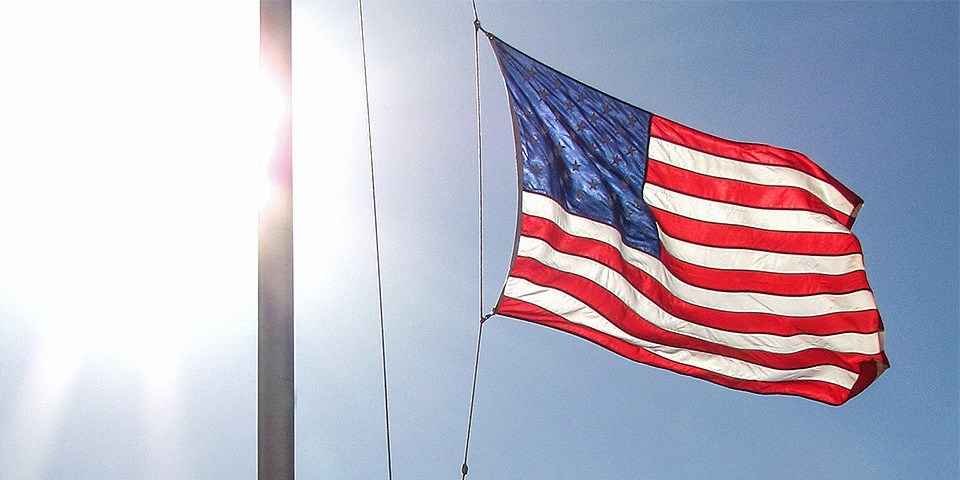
point(735, 236)
point(786, 284)
point(820, 391)
point(613, 309)
point(738, 192)
point(746, 152)
point(862, 322)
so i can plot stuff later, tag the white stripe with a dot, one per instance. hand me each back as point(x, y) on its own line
point(773, 175)
point(758, 260)
point(575, 311)
point(640, 304)
point(730, 214)
point(740, 302)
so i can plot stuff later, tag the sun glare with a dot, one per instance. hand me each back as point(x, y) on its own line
point(272, 107)
point(128, 209)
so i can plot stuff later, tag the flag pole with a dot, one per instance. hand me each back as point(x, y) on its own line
point(275, 257)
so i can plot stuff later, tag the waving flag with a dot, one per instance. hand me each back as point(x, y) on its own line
point(731, 262)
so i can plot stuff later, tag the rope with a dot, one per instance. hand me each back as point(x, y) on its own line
point(476, 56)
point(376, 237)
point(473, 396)
point(483, 318)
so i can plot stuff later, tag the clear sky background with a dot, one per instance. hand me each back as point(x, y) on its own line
point(129, 152)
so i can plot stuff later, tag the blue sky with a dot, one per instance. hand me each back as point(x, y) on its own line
point(128, 180)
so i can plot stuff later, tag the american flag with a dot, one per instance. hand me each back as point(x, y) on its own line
point(726, 261)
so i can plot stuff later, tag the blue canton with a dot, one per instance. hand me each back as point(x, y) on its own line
point(581, 147)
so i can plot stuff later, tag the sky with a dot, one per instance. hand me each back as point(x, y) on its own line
point(130, 144)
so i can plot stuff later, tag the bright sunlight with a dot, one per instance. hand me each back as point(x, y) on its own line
point(130, 211)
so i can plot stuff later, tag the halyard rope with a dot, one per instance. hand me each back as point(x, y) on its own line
point(483, 318)
point(376, 237)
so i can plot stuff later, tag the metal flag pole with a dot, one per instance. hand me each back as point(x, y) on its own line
point(275, 273)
